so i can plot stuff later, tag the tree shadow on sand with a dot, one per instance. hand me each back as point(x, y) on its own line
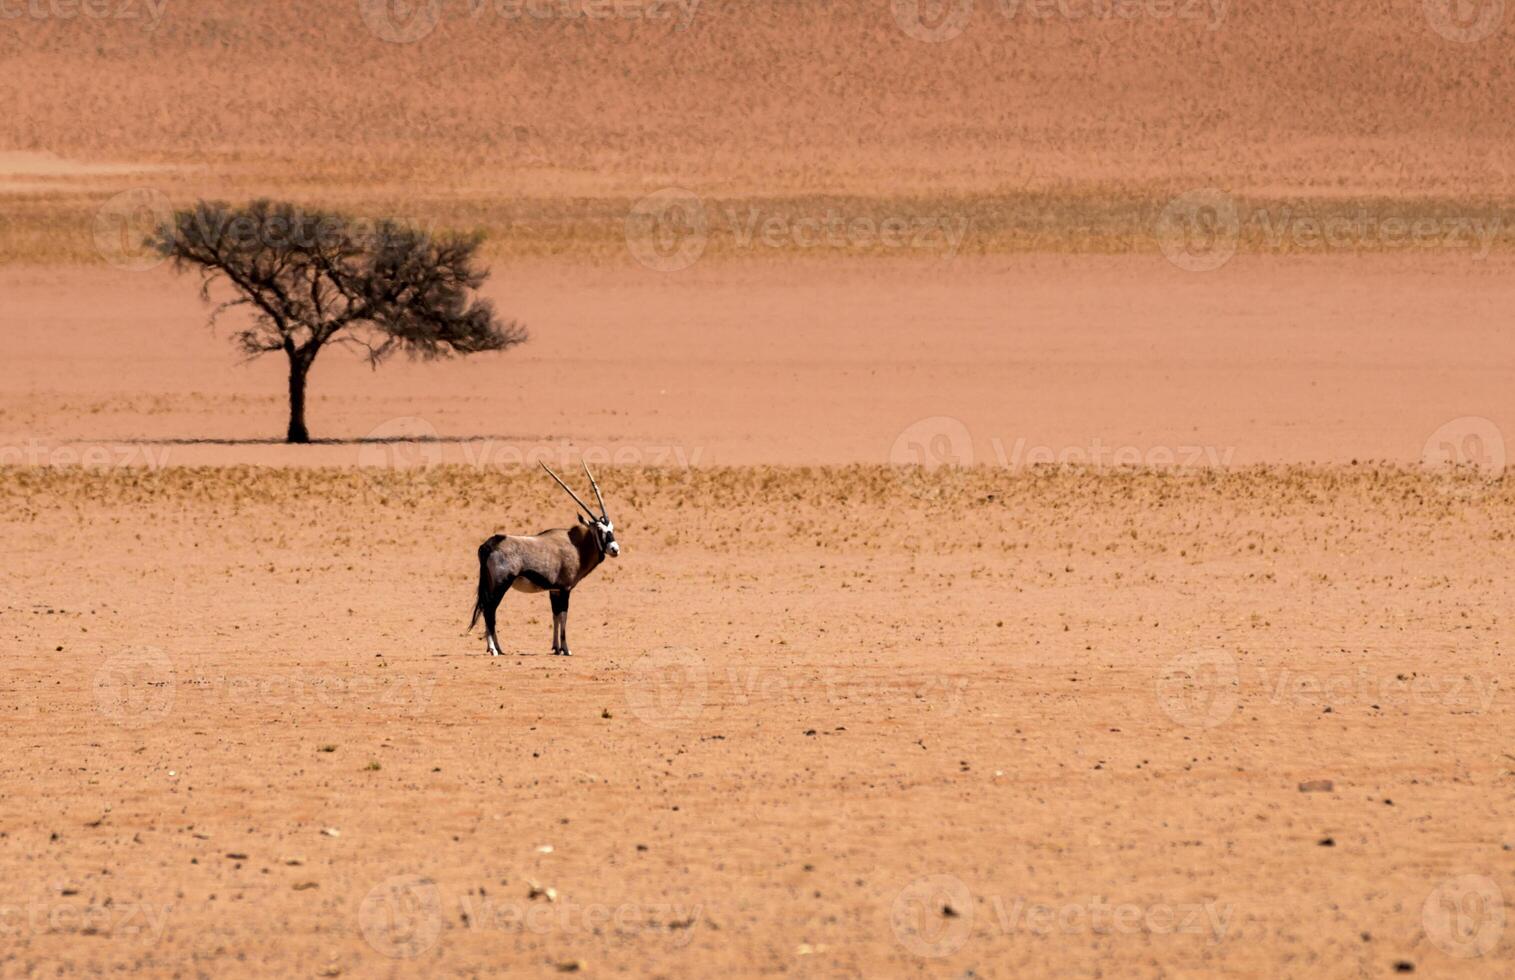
point(356, 441)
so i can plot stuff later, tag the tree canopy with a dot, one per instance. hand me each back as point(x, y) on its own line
point(309, 278)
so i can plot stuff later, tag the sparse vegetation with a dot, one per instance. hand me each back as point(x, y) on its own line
point(310, 278)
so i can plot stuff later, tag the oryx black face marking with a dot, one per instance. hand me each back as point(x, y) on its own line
point(552, 562)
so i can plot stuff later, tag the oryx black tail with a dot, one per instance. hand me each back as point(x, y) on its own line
point(485, 550)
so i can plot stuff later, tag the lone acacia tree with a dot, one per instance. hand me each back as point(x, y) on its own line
point(312, 278)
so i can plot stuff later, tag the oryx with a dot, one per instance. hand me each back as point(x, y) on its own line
point(552, 562)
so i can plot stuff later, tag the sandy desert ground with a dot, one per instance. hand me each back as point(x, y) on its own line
point(809, 709)
point(1059, 451)
point(1056, 127)
point(1004, 362)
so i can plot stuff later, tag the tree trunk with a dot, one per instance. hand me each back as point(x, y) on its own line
point(298, 369)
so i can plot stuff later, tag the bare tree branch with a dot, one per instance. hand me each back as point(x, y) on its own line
point(312, 278)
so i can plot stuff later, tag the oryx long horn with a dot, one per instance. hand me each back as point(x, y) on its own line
point(596, 487)
point(568, 489)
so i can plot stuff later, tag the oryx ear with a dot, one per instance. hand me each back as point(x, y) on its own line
point(581, 520)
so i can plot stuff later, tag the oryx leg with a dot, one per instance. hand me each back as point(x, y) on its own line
point(560, 622)
point(491, 603)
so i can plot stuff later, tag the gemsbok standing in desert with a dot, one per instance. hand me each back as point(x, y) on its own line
point(552, 562)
